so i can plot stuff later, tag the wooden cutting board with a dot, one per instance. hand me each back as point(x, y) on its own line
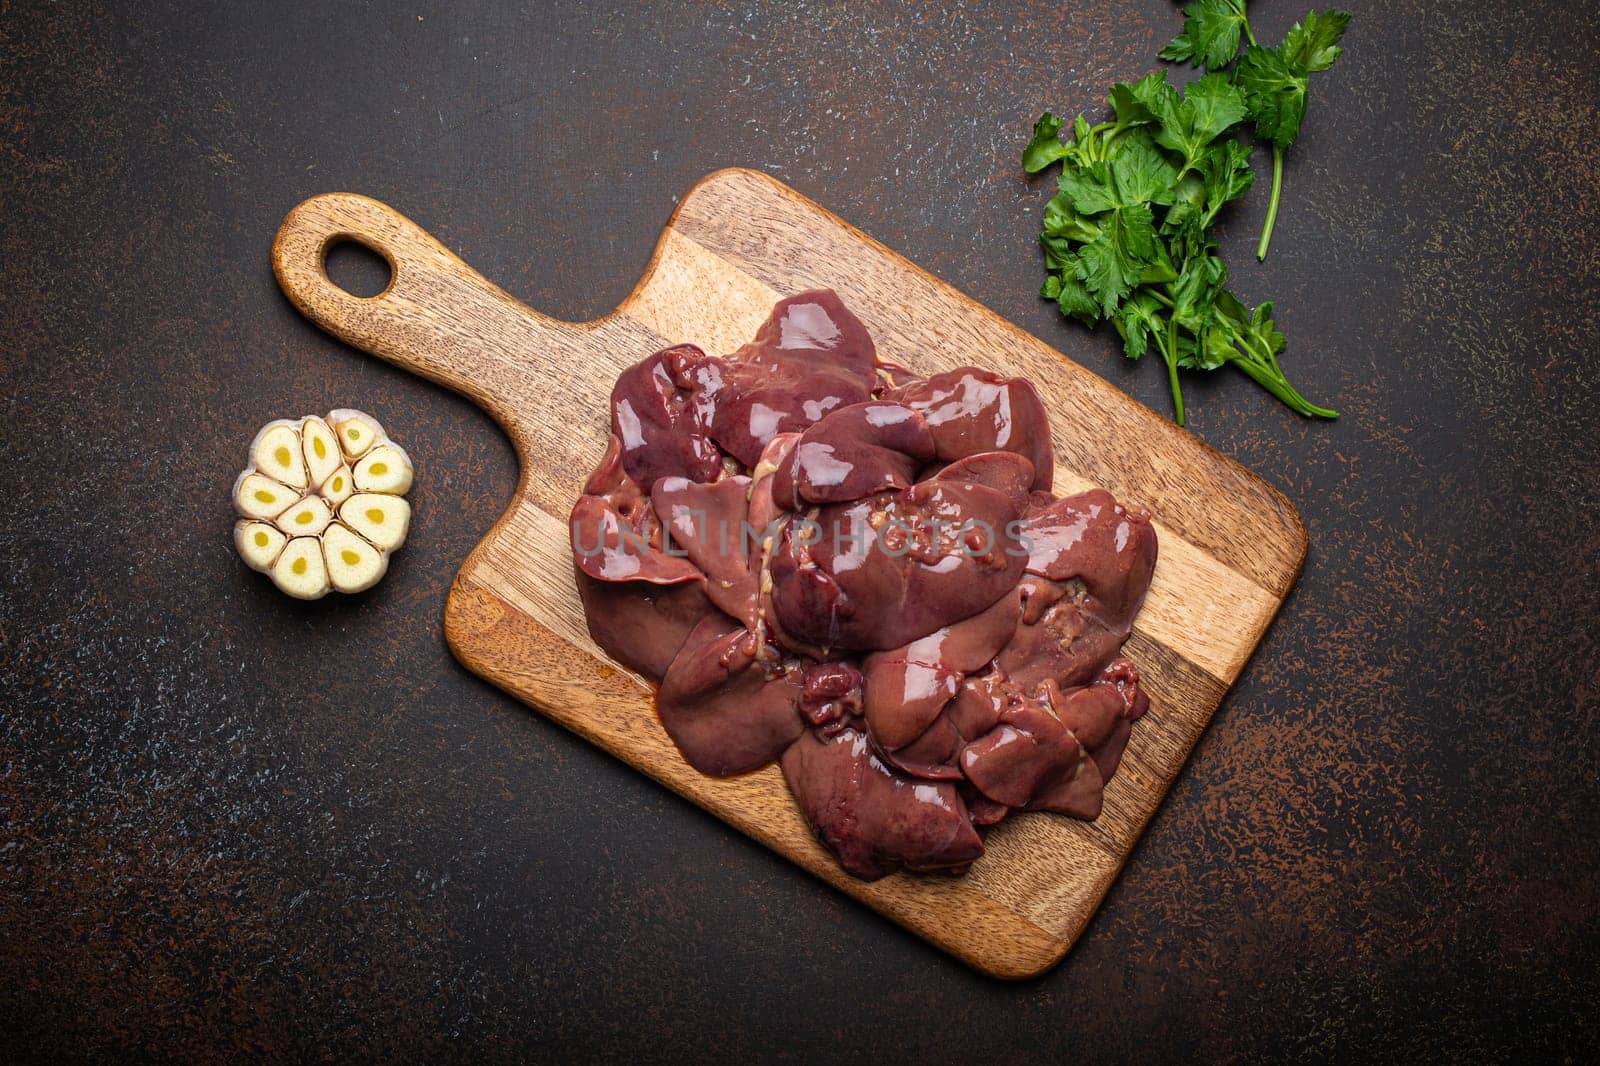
point(1230, 545)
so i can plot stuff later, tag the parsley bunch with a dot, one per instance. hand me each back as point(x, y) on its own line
point(1274, 80)
point(1127, 237)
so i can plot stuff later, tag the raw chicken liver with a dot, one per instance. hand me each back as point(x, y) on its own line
point(825, 561)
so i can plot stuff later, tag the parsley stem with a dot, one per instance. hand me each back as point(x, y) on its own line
point(1272, 205)
point(1106, 139)
point(1244, 18)
point(1169, 352)
point(1279, 386)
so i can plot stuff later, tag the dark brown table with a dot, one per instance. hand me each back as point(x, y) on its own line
point(232, 824)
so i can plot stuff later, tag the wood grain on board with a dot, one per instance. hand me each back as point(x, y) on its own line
point(1230, 545)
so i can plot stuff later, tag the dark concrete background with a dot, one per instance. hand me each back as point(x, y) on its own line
point(233, 824)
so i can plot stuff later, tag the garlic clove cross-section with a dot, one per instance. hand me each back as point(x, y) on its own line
point(256, 496)
point(353, 564)
point(258, 543)
point(385, 468)
point(321, 449)
point(357, 431)
point(381, 519)
point(300, 571)
point(309, 517)
point(276, 452)
point(338, 487)
point(302, 472)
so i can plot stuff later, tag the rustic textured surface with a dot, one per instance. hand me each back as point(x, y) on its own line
point(214, 839)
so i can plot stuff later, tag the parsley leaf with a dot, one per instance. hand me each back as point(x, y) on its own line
point(1117, 196)
point(1227, 174)
point(1312, 44)
point(1111, 265)
point(1210, 36)
point(1276, 95)
point(1136, 321)
point(1139, 173)
point(1073, 299)
point(1131, 110)
point(1209, 107)
point(1136, 174)
point(1046, 146)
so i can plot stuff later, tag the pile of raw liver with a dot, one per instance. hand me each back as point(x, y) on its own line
point(825, 560)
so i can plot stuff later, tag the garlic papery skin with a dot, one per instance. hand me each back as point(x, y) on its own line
point(302, 473)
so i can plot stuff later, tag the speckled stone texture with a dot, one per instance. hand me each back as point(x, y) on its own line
point(231, 824)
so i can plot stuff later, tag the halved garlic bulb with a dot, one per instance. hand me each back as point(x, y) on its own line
point(302, 473)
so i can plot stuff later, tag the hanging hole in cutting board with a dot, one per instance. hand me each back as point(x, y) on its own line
point(357, 269)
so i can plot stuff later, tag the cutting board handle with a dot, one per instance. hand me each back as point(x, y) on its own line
point(437, 317)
